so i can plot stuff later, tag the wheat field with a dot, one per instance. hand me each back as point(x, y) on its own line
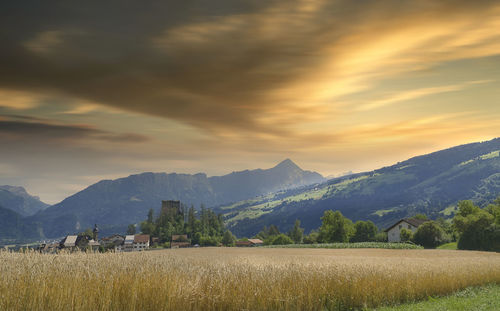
point(237, 278)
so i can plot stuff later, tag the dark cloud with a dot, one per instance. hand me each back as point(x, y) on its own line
point(24, 128)
point(211, 64)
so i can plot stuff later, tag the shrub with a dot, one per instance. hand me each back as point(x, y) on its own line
point(311, 238)
point(208, 241)
point(406, 235)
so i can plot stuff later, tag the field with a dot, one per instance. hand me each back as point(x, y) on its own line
point(238, 278)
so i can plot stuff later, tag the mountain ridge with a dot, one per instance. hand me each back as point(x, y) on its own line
point(127, 200)
point(17, 199)
point(429, 183)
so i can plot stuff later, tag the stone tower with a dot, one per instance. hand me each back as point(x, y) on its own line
point(95, 232)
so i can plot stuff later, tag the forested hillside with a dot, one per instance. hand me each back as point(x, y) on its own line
point(431, 184)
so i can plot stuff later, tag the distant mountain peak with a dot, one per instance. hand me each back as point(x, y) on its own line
point(17, 199)
point(14, 189)
point(287, 164)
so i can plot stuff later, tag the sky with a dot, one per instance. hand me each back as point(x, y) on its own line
point(93, 90)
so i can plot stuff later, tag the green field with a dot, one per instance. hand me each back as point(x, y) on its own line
point(452, 246)
point(351, 245)
point(484, 298)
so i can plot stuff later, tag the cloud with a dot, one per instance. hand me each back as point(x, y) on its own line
point(239, 66)
point(417, 93)
point(45, 41)
point(19, 100)
point(23, 128)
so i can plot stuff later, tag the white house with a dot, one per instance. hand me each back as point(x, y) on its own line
point(132, 243)
point(393, 232)
point(141, 242)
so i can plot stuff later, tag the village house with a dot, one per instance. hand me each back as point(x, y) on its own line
point(393, 232)
point(69, 242)
point(112, 241)
point(180, 240)
point(141, 242)
point(133, 243)
point(127, 245)
point(249, 243)
point(79, 242)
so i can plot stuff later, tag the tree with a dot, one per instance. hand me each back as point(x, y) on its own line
point(429, 234)
point(263, 234)
point(147, 227)
point(421, 217)
point(364, 231)
point(334, 228)
point(273, 230)
point(150, 216)
point(296, 233)
point(466, 208)
point(131, 229)
point(406, 235)
point(196, 238)
point(191, 221)
point(381, 237)
point(282, 239)
point(477, 227)
point(228, 238)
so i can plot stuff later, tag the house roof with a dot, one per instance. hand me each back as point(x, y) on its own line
point(114, 236)
point(141, 238)
point(412, 221)
point(256, 241)
point(70, 240)
point(129, 239)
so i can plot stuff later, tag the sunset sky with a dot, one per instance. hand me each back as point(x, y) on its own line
point(93, 90)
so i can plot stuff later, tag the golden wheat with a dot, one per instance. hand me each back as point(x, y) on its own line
point(237, 279)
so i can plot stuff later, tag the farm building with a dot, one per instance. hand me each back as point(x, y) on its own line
point(180, 240)
point(249, 243)
point(69, 242)
point(393, 232)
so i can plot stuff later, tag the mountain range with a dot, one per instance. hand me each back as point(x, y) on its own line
point(114, 204)
point(430, 184)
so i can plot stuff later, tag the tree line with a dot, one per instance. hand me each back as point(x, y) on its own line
point(204, 228)
point(334, 228)
point(472, 227)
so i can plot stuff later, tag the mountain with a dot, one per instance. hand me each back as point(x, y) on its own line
point(115, 203)
point(19, 201)
point(430, 184)
point(14, 227)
